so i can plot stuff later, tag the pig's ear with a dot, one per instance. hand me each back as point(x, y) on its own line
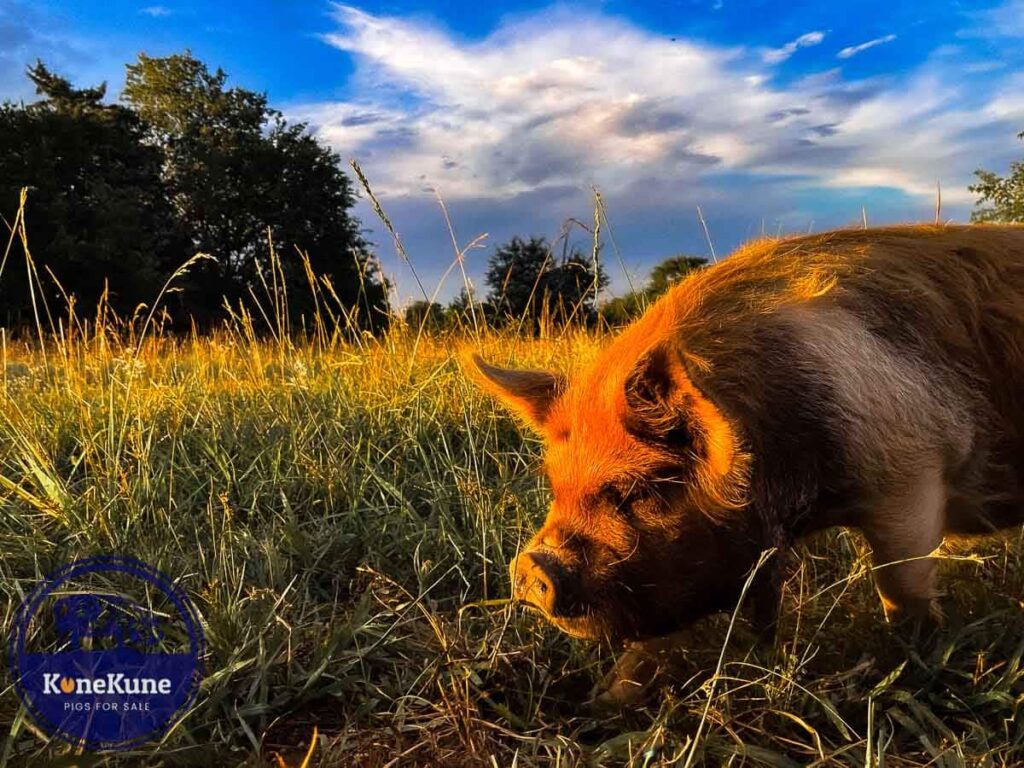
point(665, 406)
point(529, 394)
point(659, 395)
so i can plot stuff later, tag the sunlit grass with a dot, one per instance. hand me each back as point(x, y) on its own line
point(343, 509)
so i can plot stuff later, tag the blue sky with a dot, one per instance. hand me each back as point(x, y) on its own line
point(772, 116)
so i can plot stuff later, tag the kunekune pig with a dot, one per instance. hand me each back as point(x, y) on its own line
point(866, 378)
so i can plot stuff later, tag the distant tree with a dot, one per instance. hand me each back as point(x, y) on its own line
point(571, 289)
point(623, 309)
point(526, 283)
point(97, 213)
point(465, 311)
point(239, 175)
point(428, 315)
point(620, 310)
point(671, 271)
point(514, 275)
point(1004, 193)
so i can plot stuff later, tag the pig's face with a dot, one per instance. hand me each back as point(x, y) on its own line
point(630, 559)
point(642, 468)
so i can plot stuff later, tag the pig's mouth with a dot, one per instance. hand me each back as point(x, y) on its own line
point(581, 627)
point(589, 624)
point(585, 625)
point(597, 623)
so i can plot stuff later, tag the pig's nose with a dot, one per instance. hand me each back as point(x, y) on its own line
point(540, 579)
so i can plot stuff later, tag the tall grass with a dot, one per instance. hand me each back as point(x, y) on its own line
point(342, 509)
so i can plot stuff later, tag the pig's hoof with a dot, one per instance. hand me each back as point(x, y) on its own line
point(629, 684)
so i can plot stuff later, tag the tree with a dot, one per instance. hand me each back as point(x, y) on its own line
point(1006, 194)
point(241, 177)
point(514, 275)
point(465, 311)
point(526, 283)
point(623, 309)
point(97, 215)
point(428, 315)
point(671, 271)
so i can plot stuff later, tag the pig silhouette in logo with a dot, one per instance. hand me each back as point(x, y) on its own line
point(86, 621)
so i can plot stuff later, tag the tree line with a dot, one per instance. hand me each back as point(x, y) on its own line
point(528, 287)
point(122, 193)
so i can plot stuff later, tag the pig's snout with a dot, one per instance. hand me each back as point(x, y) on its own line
point(542, 579)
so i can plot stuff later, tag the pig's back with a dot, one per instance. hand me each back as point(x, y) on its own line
point(953, 298)
point(846, 355)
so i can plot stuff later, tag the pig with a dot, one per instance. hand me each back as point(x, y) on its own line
point(869, 378)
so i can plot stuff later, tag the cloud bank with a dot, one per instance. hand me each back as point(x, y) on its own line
point(555, 99)
point(156, 11)
point(551, 103)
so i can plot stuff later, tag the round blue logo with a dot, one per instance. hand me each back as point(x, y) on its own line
point(106, 652)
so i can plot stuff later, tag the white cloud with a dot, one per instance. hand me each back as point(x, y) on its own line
point(1005, 20)
point(853, 50)
point(558, 101)
point(1008, 106)
point(156, 11)
point(776, 55)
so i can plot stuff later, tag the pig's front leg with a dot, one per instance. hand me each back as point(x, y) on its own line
point(634, 676)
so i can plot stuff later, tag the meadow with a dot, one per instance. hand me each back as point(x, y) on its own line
point(343, 509)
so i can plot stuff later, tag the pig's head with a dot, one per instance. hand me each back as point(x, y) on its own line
point(647, 476)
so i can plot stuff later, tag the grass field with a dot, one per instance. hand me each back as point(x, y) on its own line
point(343, 510)
point(343, 515)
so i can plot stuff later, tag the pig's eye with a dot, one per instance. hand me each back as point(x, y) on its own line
point(622, 496)
point(638, 502)
point(613, 495)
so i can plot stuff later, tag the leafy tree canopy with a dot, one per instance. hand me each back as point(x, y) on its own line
point(122, 194)
point(428, 315)
point(97, 214)
point(1002, 197)
point(241, 177)
point(527, 283)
